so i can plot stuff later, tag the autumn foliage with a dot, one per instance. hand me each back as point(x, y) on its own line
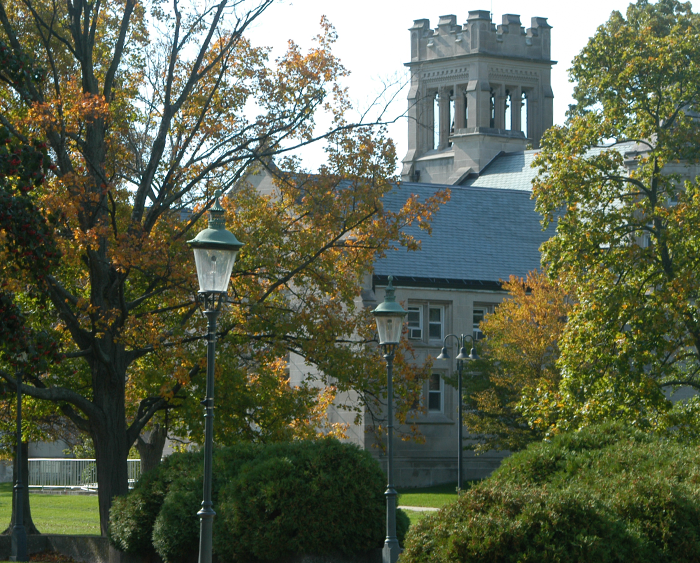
point(120, 122)
point(513, 397)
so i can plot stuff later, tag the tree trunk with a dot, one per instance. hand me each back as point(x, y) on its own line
point(150, 447)
point(109, 435)
point(27, 516)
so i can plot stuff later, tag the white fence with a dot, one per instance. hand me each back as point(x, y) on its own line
point(55, 473)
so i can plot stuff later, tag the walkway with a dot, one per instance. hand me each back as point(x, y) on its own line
point(419, 508)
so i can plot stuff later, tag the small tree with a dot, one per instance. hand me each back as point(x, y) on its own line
point(514, 394)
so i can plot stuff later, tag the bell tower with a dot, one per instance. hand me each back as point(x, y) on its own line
point(476, 90)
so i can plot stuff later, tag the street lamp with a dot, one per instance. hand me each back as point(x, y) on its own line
point(461, 358)
point(389, 316)
point(18, 544)
point(215, 251)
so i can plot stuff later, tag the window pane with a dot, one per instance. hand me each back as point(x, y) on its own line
point(434, 382)
point(433, 401)
point(435, 315)
point(478, 317)
point(435, 331)
point(413, 317)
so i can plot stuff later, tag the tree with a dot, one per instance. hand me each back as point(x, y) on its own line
point(144, 114)
point(619, 180)
point(513, 397)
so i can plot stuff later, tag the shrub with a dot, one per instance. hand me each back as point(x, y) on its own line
point(319, 498)
point(272, 501)
point(604, 494)
point(403, 523)
point(496, 523)
point(131, 518)
point(175, 530)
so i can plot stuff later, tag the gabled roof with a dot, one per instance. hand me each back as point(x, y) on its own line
point(488, 231)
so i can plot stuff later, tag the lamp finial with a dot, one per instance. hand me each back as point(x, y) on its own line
point(389, 296)
point(217, 219)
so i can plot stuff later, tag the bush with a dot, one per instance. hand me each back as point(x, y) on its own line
point(323, 498)
point(272, 501)
point(403, 523)
point(604, 494)
point(132, 517)
point(175, 530)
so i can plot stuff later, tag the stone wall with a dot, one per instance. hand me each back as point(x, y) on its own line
point(96, 549)
point(87, 549)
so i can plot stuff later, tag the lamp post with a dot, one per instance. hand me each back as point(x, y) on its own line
point(215, 251)
point(18, 545)
point(389, 316)
point(461, 358)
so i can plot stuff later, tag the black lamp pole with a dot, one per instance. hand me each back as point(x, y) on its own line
point(215, 251)
point(391, 543)
point(212, 306)
point(461, 358)
point(389, 316)
point(18, 549)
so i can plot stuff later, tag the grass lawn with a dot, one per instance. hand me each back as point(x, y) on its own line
point(78, 514)
point(433, 497)
point(55, 514)
point(414, 516)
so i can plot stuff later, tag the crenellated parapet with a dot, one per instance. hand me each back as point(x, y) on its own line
point(476, 89)
point(480, 35)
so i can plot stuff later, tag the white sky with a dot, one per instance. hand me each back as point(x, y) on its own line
point(373, 39)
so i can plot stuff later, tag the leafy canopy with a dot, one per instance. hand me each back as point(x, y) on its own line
point(145, 109)
point(619, 180)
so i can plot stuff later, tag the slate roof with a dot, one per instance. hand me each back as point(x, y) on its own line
point(487, 231)
point(508, 171)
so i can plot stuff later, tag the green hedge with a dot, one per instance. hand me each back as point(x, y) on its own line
point(272, 501)
point(604, 494)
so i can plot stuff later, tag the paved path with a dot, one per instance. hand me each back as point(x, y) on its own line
point(419, 508)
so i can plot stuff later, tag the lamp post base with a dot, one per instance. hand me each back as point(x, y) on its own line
point(18, 544)
point(391, 551)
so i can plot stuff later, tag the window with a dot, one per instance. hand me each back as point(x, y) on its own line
point(435, 320)
point(415, 323)
point(435, 393)
point(478, 316)
point(426, 322)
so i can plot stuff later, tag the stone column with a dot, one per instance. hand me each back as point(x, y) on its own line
point(533, 118)
point(460, 108)
point(515, 108)
point(500, 102)
point(444, 109)
point(427, 124)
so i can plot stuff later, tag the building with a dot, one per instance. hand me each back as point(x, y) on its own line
point(480, 96)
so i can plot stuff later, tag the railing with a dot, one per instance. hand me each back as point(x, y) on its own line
point(56, 473)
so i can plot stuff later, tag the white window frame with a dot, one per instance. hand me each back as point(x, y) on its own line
point(486, 309)
point(440, 392)
point(422, 334)
point(440, 308)
point(416, 332)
